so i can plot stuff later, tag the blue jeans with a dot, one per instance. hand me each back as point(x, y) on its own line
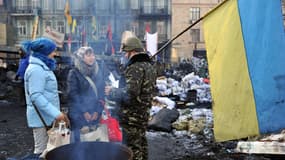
point(75, 136)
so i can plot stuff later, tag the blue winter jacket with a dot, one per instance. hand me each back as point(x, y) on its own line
point(41, 90)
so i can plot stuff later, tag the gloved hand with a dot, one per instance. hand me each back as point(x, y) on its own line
point(17, 79)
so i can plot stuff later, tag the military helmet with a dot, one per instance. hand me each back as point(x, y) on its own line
point(132, 43)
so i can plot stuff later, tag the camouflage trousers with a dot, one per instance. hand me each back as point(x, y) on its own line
point(135, 138)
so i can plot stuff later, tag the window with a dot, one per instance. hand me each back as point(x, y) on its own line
point(147, 6)
point(46, 4)
point(35, 3)
point(20, 4)
point(161, 28)
point(122, 4)
point(126, 25)
point(160, 4)
point(22, 28)
point(194, 14)
point(48, 24)
point(101, 4)
point(134, 4)
point(60, 4)
point(60, 26)
point(76, 4)
point(102, 31)
point(135, 28)
point(195, 34)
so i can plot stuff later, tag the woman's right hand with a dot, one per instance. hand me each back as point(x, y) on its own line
point(63, 117)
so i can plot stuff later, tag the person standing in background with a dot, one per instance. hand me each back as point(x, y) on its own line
point(19, 78)
point(135, 98)
point(23, 62)
point(41, 91)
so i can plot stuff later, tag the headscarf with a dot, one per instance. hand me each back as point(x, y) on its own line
point(85, 69)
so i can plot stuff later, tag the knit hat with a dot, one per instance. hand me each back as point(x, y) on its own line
point(43, 46)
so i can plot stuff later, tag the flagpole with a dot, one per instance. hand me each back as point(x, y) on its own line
point(189, 27)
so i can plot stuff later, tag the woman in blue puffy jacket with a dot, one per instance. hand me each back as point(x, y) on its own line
point(41, 90)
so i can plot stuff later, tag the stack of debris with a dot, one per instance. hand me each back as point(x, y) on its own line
point(181, 93)
point(191, 88)
point(165, 116)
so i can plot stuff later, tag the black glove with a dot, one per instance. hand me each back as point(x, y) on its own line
point(16, 77)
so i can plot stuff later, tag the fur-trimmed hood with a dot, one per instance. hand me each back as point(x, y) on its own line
point(140, 57)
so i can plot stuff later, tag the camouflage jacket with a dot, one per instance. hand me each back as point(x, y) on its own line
point(136, 96)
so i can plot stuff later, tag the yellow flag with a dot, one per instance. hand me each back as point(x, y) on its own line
point(94, 29)
point(94, 23)
point(67, 13)
point(228, 70)
point(74, 24)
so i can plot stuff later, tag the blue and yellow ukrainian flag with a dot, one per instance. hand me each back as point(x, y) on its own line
point(245, 44)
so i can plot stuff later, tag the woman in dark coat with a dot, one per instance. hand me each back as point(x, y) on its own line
point(85, 100)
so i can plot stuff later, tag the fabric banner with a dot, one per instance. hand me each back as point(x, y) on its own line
point(67, 13)
point(74, 25)
point(109, 44)
point(151, 43)
point(56, 36)
point(245, 44)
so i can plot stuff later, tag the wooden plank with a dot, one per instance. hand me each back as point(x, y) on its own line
point(3, 34)
point(259, 147)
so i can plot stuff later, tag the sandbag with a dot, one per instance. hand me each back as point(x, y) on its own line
point(163, 120)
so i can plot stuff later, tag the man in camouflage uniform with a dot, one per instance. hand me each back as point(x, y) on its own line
point(135, 97)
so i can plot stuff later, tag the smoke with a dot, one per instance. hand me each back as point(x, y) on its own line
point(100, 24)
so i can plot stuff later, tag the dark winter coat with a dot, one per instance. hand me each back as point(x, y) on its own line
point(137, 94)
point(81, 96)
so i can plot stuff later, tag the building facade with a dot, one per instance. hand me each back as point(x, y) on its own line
point(5, 28)
point(94, 19)
point(184, 13)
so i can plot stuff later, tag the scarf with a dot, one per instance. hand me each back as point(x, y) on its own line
point(51, 63)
